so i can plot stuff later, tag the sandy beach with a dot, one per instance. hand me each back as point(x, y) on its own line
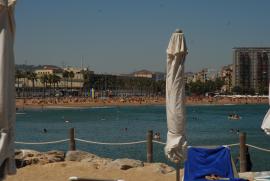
point(63, 170)
point(89, 102)
point(59, 166)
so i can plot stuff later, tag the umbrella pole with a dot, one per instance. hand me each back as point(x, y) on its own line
point(178, 174)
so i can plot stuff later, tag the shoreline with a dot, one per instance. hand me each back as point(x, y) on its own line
point(76, 102)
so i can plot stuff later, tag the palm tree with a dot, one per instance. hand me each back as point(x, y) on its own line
point(50, 81)
point(71, 76)
point(86, 76)
point(161, 87)
point(55, 80)
point(24, 76)
point(18, 76)
point(32, 76)
point(65, 75)
point(86, 79)
point(44, 81)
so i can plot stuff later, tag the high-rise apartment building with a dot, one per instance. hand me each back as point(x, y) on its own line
point(251, 67)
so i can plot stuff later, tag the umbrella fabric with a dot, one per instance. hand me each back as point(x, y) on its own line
point(266, 121)
point(175, 94)
point(7, 89)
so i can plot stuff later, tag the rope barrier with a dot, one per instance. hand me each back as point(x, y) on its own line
point(231, 145)
point(42, 143)
point(159, 142)
point(87, 141)
point(103, 143)
point(212, 146)
point(258, 148)
point(123, 143)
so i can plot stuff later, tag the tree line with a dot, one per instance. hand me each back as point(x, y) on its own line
point(116, 85)
point(99, 82)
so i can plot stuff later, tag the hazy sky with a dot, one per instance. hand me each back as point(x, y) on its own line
point(121, 36)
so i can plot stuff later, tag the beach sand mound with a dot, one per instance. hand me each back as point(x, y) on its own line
point(28, 157)
point(61, 171)
point(58, 166)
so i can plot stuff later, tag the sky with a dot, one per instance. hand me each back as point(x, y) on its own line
point(122, 36)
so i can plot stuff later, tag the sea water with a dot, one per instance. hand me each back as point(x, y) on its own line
point(206, 125)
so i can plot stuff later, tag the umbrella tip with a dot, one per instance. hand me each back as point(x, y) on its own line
point(178, 31)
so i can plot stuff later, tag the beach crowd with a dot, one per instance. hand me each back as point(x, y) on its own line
point(86, 101)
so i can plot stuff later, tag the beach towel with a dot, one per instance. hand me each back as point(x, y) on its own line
point(203, 163)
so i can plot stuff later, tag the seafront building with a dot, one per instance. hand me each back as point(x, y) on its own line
point(251, 68)
point(189, 77)
point(76, 82)
point(202, 76)
point(78, 79)
point(32, 82)
point(226, 75)
point(144, 74)
point(78, 72)
point(149, 74)
point(48, 69)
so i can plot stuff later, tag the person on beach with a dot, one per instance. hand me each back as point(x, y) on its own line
point(156, 136)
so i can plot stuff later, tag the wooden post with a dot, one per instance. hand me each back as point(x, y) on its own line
point(72, 144)
point(242, 152)
point(150, 146)
point(178, 174)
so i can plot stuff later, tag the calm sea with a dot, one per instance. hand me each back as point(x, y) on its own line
point(206, 125)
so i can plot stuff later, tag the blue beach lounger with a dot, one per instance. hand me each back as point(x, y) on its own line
point(205, 164)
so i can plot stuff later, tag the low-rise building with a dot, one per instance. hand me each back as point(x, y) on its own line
point(189, 76)
point(48, 69)
point(78, 80)
point(144, 74)
point(149, 74)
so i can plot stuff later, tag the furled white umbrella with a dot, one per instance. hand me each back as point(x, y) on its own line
point(7, 89)
point(266, 121)
point(176, 145)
